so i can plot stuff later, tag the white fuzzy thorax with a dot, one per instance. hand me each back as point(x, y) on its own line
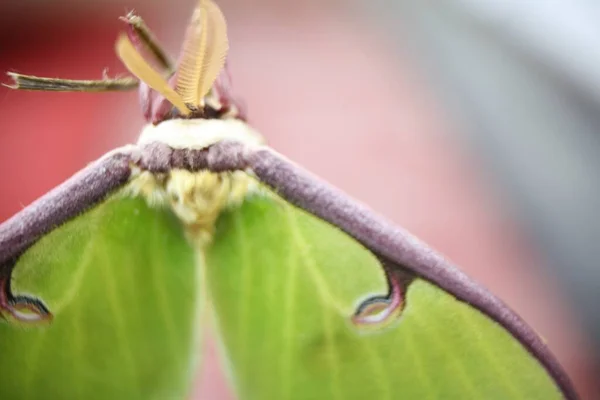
point(197, 198)
point(199, 133)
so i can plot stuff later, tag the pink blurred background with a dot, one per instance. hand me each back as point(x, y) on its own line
point(325, 90)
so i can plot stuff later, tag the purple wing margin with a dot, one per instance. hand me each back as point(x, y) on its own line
point(394, 246)
point(70, 199)
point(388, 242)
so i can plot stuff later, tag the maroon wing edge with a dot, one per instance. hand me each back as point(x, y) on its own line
point(395, 247)
point(82, 191)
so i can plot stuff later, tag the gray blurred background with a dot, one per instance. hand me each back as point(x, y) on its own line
point(521, 80)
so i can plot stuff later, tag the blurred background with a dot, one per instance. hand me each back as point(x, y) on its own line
point(474, 124)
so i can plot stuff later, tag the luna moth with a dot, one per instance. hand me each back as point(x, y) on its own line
point(198, 179)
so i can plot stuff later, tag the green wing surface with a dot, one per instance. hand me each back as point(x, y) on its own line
point(285, 286)
point(124, 288)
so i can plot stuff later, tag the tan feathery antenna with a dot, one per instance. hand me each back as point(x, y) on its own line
point(136, 64)
point(203, 54)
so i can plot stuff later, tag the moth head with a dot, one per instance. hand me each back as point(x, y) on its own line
point(198, 86)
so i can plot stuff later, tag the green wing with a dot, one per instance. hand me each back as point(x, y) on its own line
point(123, 286)
point(285, 287)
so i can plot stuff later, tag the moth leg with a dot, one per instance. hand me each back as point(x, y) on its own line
point(146, 43)
point(30, 82)
point(22, 308)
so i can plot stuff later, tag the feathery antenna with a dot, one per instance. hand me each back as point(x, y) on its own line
point(203, 55)
point(136, 64)
point(139, 30)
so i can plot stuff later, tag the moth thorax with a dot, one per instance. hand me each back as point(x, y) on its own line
point(196, 198)
point(199, 133)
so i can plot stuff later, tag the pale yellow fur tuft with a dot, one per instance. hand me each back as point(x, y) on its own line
point(197, 198)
